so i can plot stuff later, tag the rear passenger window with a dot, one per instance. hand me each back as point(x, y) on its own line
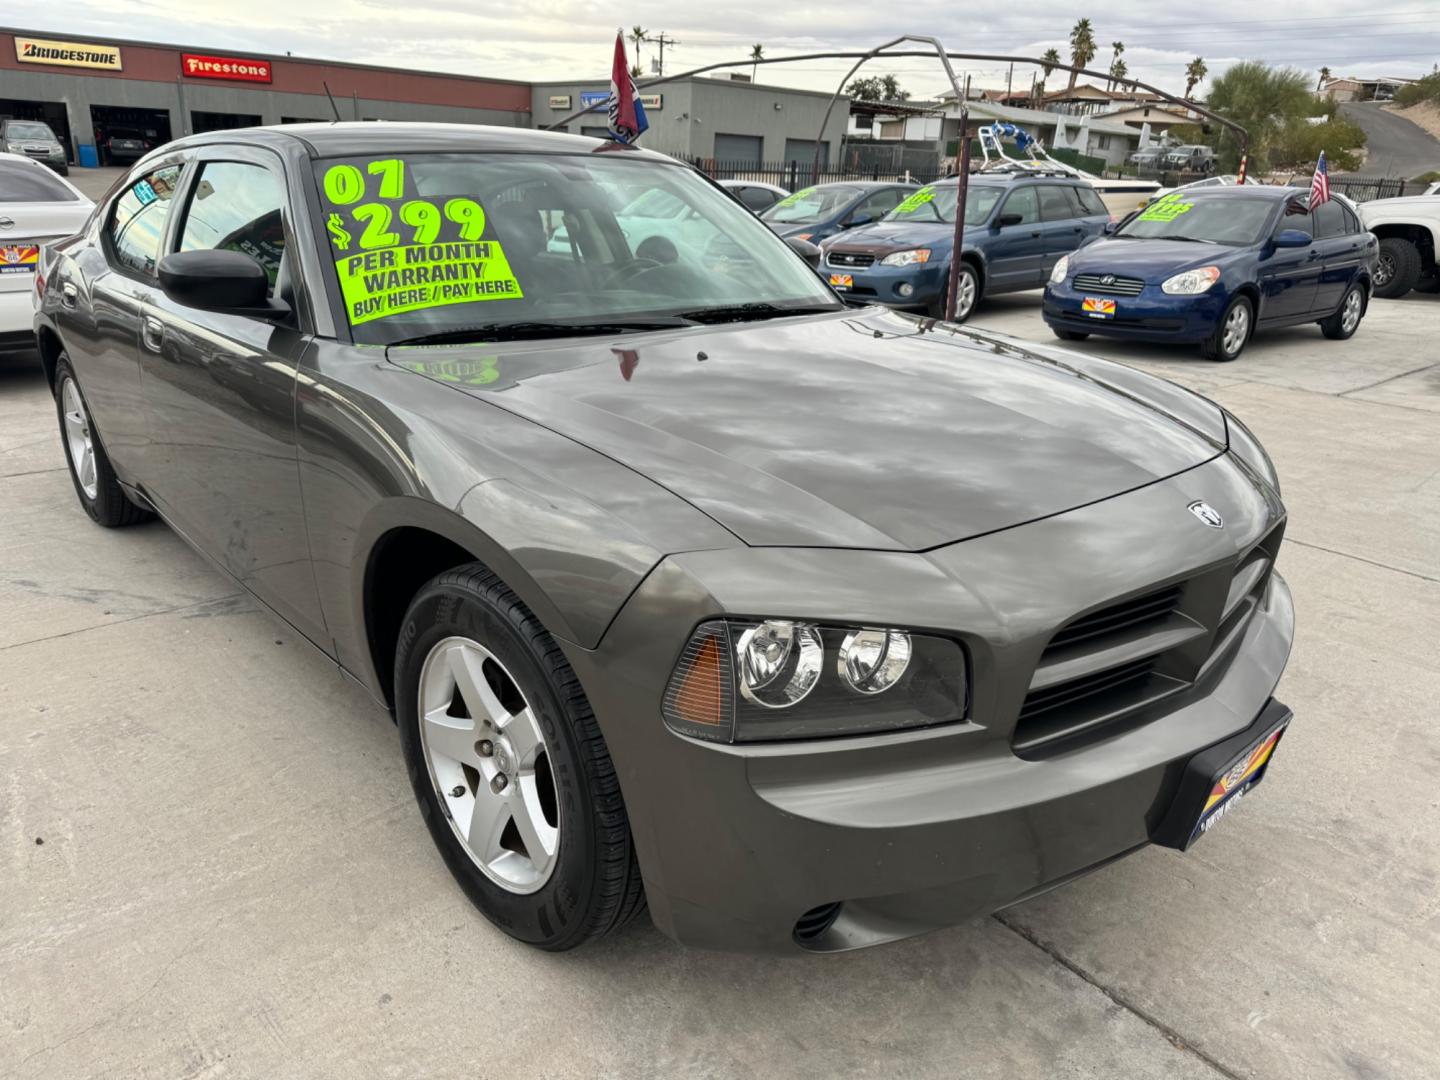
point(137, 224)
point(236, 207)
point(1054, 206)
point(1329, 220)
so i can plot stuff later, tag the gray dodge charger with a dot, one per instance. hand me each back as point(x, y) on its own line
point(808, 627)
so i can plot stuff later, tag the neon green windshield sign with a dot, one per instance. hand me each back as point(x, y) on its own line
point(917, 200)
point(396, 253)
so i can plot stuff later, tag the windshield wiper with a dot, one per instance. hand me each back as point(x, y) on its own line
point(743, 312)
point(513, 331)
point(1187, 239)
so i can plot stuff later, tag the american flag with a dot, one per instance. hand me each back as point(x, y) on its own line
point(1320, 185)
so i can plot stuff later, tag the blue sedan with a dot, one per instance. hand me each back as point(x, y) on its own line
point(818, 212)
point(1211, 266)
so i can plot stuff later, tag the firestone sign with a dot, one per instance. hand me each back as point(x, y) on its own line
point(197, 66)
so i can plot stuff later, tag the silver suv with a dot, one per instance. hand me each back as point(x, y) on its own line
point(1198, 159)
point(34, 139)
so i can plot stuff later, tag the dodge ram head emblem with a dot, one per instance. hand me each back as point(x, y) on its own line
point(1208, 514)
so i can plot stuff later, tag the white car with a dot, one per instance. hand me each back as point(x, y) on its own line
point(36, 207)
point(1409, 232)
point(756, 195)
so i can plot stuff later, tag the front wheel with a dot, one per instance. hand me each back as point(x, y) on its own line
point(1346, 319)
point(1231, 332)
point(509, 767)
point(1398, 268)
point(967, 285)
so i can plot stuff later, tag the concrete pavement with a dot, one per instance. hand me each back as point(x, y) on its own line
point(233, 879)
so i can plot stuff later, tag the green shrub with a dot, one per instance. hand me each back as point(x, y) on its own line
point(1300, 143)
point(1426, 89)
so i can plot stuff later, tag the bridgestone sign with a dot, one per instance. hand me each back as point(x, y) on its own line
point(67, 53)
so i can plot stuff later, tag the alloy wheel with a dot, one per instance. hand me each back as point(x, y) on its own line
point(1237, 328)
point(1384, 271)
point(489, 764)
point(79, 438)
point(965, 297)
point(1350, 317)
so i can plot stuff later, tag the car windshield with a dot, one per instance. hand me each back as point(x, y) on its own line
point(1185, 215)
point(19, 129)
point(936, 202)
point(490, 246)
point(24, 182)
point(810, 205)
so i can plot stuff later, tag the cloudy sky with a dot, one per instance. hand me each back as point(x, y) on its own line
point(556, 39)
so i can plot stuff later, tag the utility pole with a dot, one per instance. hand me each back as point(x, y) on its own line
point(662, 40)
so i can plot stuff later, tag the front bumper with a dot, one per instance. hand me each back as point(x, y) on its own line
point(1150, 316)
point(883, 284)
point(912, 831)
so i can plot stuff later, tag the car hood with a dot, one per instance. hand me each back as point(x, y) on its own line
point(1153, 260)
point(887, 236)
point(791, 228)
point(869, 430)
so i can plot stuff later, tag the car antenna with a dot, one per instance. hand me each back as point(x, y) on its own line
point(333, 106)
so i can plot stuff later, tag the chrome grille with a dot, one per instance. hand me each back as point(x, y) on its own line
point(850, 259)
point(1109, 284)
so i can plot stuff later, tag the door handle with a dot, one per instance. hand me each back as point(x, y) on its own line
point(1312, 256)
point(1035, 236)
point(152, 332)
point(69, 295)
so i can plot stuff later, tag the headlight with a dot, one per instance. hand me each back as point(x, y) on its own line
point(1191, 282)
point(1247, 448)
point(12, 147)
point(747, 680)
point(1057, 276)
point(906, 258)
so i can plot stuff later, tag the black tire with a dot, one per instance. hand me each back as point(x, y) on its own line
point(936, 307)
point(1429, 284)
point(1398, 269)
point(109, 505)
point(1214, 347)
point(1333, 326)
point(1068, 335)
point(594, 886)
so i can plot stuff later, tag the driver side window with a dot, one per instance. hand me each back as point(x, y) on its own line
point(1297, 218)
point(1025, 203)
point(235, 206)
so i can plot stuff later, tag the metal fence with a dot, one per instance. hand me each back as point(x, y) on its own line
point(1366, 188)
point(794, 175)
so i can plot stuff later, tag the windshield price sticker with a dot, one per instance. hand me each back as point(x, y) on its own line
point(396, 253)
point(1167, 209)
point(791, 200)
point(915, 201)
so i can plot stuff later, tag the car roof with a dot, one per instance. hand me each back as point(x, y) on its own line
point(362, 137)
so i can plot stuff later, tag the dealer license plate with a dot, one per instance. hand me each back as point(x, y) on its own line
point(1098, 307)
point(19, 259)
point(842, 281)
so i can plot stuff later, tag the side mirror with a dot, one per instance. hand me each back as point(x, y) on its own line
point(806, 250)
point(227, 281)
point(1292, 238)
point(1010, 219)
point(1110, 227)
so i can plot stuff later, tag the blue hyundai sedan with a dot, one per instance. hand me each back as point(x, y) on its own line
point(1212, 266)
point(1017, 225)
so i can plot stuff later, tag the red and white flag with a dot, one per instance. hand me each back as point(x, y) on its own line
point(1320, 184)
point(627, 115)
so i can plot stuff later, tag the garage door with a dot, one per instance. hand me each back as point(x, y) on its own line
point(803, 151)
point(738, 149)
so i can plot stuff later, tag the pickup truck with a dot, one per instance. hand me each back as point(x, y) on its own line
point(1409, 232)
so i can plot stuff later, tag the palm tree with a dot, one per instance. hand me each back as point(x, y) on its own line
point(1324, 78)
point(1118, 47)
point(1195, 73)
point(1049, 61)
point(1082, 47)
point(757, 52)
point(639, 35)
point(1118, 71)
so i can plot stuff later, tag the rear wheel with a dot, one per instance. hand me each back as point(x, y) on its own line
point(1068, 335)
point(1346, 319)
point(509, 768)
point(95, 481)
point(1231, 332)
point(1398, 268)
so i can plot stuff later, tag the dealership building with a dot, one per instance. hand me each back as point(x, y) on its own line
point(92, 90)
